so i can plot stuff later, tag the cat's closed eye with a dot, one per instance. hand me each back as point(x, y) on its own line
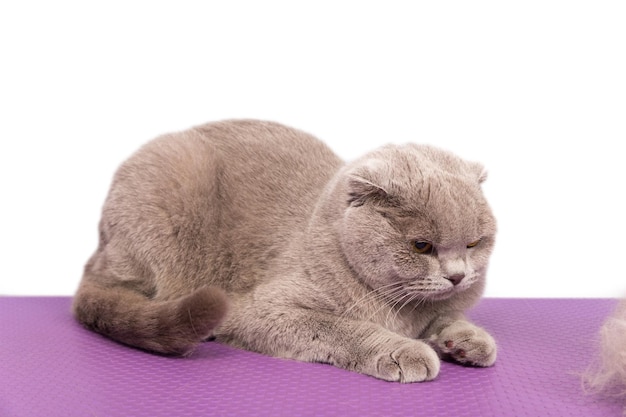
point(426, 248)
point(422, 247)
point(474, 243)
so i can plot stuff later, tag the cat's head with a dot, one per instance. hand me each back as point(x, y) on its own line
point(416, 224)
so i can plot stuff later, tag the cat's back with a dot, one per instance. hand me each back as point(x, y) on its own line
point(229, 195)
point(253, 163)
point(268, 166)
point(270, 153)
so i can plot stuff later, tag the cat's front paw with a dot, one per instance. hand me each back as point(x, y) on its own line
point(414, 361)
point(467, 344)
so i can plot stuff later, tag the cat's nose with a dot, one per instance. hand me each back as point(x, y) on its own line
point(456, 279)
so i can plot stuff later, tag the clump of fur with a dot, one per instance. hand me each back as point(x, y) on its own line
point(607, 375)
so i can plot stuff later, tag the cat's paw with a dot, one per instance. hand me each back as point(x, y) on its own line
point(413, 361)
point(468, 344)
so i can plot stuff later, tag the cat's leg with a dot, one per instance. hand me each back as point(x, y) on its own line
point(150, 283)
point(313, 336)
point(456, 338)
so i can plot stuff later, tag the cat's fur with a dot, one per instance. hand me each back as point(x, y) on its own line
point(258, 235)
point(607, 374)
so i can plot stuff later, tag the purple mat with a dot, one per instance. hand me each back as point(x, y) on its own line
point(50, 366)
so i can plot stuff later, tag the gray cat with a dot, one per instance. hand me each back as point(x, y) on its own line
point(257, 235)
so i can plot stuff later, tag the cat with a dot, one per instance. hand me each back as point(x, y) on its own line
point(259, 236)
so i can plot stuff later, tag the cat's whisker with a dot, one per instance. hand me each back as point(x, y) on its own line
point(393, 308)
point(385, 303)
point(420, 300)
point(391, 297)
point(387, 299)
point(412, 297)
point(380, 295)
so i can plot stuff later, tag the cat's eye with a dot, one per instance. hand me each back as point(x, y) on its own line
point(473, 244)
point(422, 247)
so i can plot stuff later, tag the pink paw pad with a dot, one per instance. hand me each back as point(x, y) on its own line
point(460, 353)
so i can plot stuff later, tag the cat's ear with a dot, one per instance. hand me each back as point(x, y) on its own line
point(479, 171)
point(361, 190)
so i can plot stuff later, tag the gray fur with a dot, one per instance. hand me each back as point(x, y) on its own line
point(258, 235)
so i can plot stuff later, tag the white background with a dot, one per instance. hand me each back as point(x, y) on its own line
point(536, 90)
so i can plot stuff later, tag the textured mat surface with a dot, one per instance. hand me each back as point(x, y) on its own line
point(50, 366)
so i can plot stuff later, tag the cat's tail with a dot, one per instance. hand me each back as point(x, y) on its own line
point(173, 327)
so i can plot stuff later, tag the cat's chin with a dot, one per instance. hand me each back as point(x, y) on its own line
point(439, 296)
point(437, 292)
point(445, 293)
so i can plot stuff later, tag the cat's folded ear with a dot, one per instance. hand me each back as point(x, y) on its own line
point(362, 190)
point(479, 171)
